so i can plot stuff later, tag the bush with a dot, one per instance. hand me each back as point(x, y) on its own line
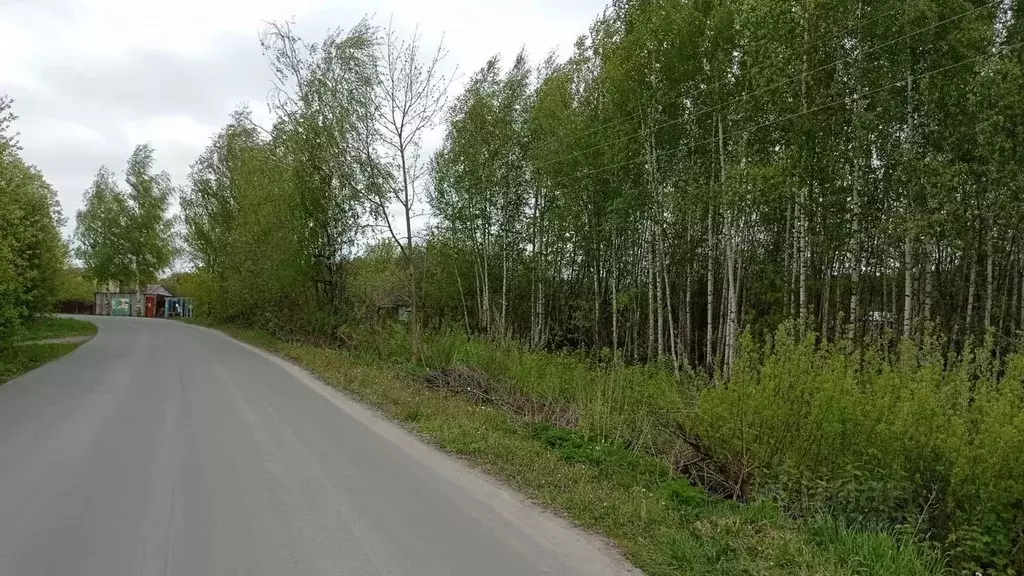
point(852, 441)
point(935, 451)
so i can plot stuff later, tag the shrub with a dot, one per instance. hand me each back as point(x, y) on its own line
point(935, 451)
point(904, 443)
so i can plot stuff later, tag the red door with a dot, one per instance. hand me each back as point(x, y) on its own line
point(150, 306)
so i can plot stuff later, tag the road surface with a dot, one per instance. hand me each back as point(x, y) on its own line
point(162, 448)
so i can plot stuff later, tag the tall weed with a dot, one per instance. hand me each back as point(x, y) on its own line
point(893, 440)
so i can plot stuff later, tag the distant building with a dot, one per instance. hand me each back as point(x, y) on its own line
point(149, 302)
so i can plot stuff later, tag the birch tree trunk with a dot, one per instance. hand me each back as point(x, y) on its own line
point(803, 261)
point(802, 202)
point(487, 284)
point(825, 301)
point(790, 251)
point(908, 288)
point(650, 292)
point(723, 319)
point(658, 262)
point(597, 298)
point(709, 356)
point(462, 295)
point(615, 302)
point(988, 278)
point(733, 283)
point(851, 331)
point(479, 290)
point(1008, 283)
point(971, 287)
point(686, 314)
point(504, 289)
point(1013, 299)
point(668, 303)
point(929, 280)
point(1021, 324)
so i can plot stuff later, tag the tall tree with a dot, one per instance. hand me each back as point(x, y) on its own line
point(127, 236)
point(411, 98)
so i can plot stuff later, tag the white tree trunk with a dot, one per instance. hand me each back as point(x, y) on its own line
point(709, 352)
point(658, 262)
point(1011, 277)
point(826, 300)
point(988, 279)
point(487, 287)
point(789, 249)
point(615, 301)
point(731, 279)
point(650, 292)
point(971, 288)
point(803, 257)
point(504, 290)
point(851, 331)
point(1021, 325)
point(479, 289)
point(908, 288)
point(929, 280)
point(668, 304)
point(462, 295)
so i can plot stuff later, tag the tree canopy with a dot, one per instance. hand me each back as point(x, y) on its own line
point(32, 252)
point(127, 236)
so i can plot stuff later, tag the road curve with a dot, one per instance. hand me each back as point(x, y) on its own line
point(162, 448)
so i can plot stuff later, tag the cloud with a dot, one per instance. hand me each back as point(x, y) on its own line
point(157, 83)
point(94, 78)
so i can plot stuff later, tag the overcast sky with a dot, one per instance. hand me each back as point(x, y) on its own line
point(93, 78)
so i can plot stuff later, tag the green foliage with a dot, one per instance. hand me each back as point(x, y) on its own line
point(32, 252)
point(270, 216)
point(924, 451)
point(126, 236)
point(619, 235)
point(50, 327)
point(27, 354)
point(73, 285)
point(21, 359)
point(663, 523)
point(929, 449)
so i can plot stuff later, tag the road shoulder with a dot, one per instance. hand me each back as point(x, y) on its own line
point(44, 340)
point(482, 481)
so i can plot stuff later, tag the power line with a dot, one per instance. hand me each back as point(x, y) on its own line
point(720, 82)
point(794, 115)
point(744, 96)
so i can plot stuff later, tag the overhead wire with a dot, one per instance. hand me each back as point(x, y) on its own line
point(747, 95)
point(864, 94)
point(817, 42)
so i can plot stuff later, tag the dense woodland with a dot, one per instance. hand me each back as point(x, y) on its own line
point(696, 169)
point(791, 230)
point(692, 170)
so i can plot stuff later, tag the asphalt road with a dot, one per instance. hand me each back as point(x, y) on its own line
point(162, 448)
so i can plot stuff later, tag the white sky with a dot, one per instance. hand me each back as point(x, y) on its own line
point(93, 78)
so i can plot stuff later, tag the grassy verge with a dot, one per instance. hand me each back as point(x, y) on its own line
point(48, 327)
point(662, 523)
point(23, 355)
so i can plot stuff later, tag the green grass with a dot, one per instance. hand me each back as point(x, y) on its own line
point(16, 360)
point(23, 355)
point(663, 525)
point(48, 327)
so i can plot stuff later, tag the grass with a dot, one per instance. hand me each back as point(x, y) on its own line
point(48, 327)
point(24, 355)
point(660, 522)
